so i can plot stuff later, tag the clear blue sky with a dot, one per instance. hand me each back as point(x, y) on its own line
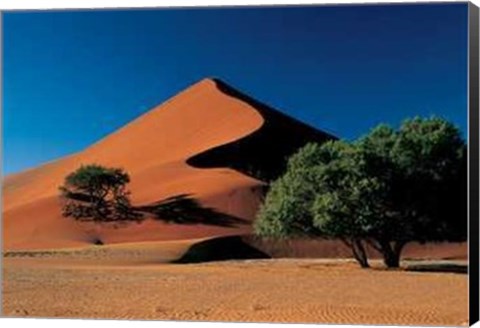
point(70, 78)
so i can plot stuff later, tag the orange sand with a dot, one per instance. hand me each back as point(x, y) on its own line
point(131, 283)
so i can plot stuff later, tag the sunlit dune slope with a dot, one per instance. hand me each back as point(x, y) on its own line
point(198, 144)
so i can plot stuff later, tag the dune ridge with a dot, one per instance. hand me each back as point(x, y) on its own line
point(248, 154)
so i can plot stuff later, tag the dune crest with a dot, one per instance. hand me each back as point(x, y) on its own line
point(207, 142)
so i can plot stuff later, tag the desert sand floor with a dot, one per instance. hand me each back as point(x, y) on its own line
point(281, 290)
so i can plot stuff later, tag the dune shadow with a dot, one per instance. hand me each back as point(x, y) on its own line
point(439, 267)
point(184, 209)
point(220, 249)
point(263, 153)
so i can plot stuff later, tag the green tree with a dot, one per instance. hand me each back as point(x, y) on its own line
point(97, 193)
point(386, 189)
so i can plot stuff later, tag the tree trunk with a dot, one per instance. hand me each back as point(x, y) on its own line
point(391, 260)
point(391, 254)
point(359, 253)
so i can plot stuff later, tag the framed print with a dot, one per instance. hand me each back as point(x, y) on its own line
point(277, 164)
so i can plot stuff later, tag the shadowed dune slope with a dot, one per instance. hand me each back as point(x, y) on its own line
point(248, 154)
point(206, 142)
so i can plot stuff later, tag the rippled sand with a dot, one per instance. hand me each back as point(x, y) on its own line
point(314, 291)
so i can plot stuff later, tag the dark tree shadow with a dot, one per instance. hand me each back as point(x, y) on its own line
point(221, 249)
point(184, 209)
point(439, 267)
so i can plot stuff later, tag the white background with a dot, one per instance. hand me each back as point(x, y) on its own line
point(50, 4)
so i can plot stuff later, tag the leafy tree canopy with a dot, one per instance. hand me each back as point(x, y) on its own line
point(97, 193)
point(386, 189)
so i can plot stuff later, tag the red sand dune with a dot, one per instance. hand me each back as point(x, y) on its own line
point(197, 143)
point(208, 142)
